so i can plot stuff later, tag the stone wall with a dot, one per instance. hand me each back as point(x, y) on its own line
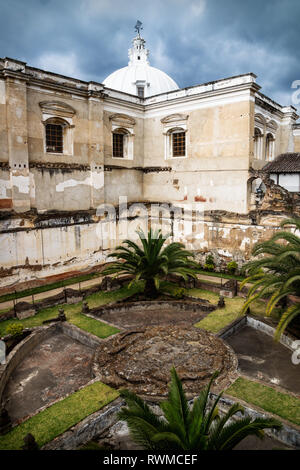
point(21, 350)
point(40, 246)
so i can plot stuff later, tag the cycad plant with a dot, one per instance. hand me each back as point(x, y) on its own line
point(277, 274)
point(151, 261)
point(184, 428)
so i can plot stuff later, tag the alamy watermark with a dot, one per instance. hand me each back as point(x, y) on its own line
point(2, 352)
point(296, 353)
point(296, 94)
point(182, 222)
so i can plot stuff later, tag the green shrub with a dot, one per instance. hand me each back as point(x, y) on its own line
point(15, 329)
point(232, 267)
point(178, 292)
point(209, 267)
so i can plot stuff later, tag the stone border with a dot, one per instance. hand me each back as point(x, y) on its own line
point(22, 349)
point(289, 434)
point(286, 340)
point(39, 334)
point(150, 304)
point(87, 429)
point(98, 422)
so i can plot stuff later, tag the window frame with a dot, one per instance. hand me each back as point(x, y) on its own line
point(178, 144)
point(169, 143)
point(67, 135)
point(54, 137)
point(127, 143)
point(121, 134)
point(269, 147)
point(258, 143)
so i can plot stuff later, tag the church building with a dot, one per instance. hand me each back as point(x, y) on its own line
point(68, 146)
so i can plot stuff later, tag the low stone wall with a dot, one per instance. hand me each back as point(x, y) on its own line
point(285, 339)
point(87, 429)
point(122, 307)
point(88, 339)
point(289, 435)
point(98, 422)
point(38, 335)
point(228, 330)
point(70, 297)
point(21, 350)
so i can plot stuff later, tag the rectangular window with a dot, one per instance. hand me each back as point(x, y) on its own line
point(118, 145)
point(140, 91)
point(54, 138)
point(178, 144)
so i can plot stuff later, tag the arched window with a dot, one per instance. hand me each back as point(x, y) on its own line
point(270, 144)
point(120, 144)
point(176, 142)
point(258, 143)
point(57, 136)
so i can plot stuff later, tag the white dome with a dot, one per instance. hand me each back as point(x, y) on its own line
point(126, 79)
point(140, 75)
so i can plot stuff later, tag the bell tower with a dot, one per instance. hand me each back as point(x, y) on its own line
point(138, 54)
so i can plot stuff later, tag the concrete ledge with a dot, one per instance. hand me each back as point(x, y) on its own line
point(39, 334)
point(21, 350)
point(285, 339)
point(151, 304)
point(98, 422)
point(87, 429)
point(88, 339)
point(289, 434)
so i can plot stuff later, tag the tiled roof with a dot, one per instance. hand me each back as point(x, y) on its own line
point(284, 163)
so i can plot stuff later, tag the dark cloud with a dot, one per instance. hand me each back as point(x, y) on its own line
point(194, 41)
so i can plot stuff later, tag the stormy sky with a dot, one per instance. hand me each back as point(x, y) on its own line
point(194, 41)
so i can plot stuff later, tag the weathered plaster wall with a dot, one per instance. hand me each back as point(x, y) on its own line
point(218, 146)
point(297, 141)
point(39, 252)
point(123, 183)
point(3, 125)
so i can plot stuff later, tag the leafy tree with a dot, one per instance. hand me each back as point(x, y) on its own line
point(276, 274)
point(183, 428)
point(152, 261)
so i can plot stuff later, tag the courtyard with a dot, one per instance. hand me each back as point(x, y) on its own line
point(130, 344)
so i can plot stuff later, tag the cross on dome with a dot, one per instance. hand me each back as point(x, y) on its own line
point(139, 78)
point(138, 54)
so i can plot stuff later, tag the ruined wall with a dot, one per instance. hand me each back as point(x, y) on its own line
point(42, 247)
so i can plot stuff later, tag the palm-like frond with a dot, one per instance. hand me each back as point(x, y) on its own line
point(152, 261)
point(276, 272)
point(235, 432)
point(184, 428)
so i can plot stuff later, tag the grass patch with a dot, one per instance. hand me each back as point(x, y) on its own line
point(47, 287)
point(223, 275)
point(59, 417)
point(221, 317)
point(4, 311)
point(267, 398)
point(74, 315)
